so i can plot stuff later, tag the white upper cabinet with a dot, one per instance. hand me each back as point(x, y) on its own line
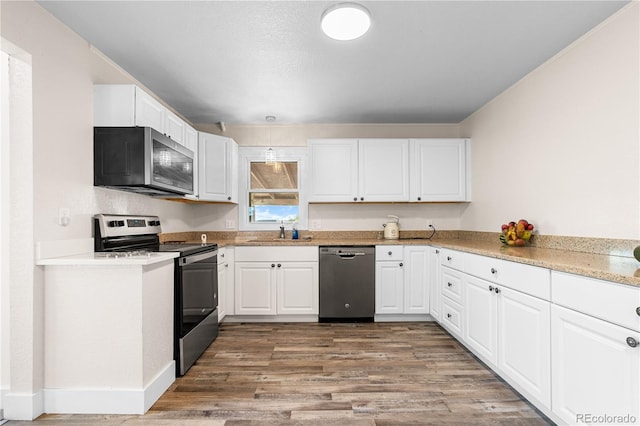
point(148, 111)
point(334, 170)
point(365, 170)
point(127, 105)
point(383, 170)
point(439, 170)
point(217, 168)
point(389, 170)
point(174, 127)
point(191, 138)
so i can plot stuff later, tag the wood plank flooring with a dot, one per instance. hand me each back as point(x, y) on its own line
point(331, 374)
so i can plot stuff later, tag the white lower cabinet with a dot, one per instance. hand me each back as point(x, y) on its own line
point(223, 288)
point(524, 344)
point(595, 350)
point(507, 329)
point(402, 280)
point(297, 288)
point(390, 287)
point(276, 281)
point(255, 288)
point(595, 371)
point(433, 268)
point(481, 318)
point(225, 283)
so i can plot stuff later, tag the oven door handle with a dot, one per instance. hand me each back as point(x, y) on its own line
point(187, 260)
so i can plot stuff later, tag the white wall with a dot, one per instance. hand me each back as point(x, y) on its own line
point(52, 168)
point(561, 147)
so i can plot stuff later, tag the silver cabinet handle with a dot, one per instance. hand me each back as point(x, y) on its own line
point(632, 342)
point(401, 265)
point(390, 253)
point(449, 258)
point(448, 315)
point(438, 252)
point(355, 198)
point(279, 265)
point(638, 311)
point(490, 288)
point(346, 305)
point(273, 265)
point(497, 290)
point(494, 270)
point(449, 284)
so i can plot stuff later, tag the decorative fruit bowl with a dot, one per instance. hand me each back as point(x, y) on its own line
point(516, 233)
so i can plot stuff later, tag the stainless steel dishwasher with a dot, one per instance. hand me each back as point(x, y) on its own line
point(347, 283)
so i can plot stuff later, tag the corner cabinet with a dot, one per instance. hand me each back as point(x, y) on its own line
point(217, 168)
point(402, 282)
point(439, 170)
point(359, 170)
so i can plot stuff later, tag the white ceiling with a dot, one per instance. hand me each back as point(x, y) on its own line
point(238, 61)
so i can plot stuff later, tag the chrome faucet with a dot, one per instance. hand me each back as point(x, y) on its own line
point(282, 237)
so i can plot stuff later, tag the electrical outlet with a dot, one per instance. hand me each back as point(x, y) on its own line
point(316, 224)
point(64, 216)
point(230, 224)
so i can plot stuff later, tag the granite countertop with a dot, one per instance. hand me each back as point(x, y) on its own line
point(611, 264)
point(101, 259)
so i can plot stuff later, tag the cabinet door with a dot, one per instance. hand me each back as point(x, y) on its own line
point(389, 283)
point(174, 127)
point(222, 291)
point(435, 290)
point(416, 280)
point(594, 370)
point(524, 349)
point(191, 138)
point(334, 170)
point(481, 318)
point(149, 112)
point(297, 284)
point(383, 170)
point(255, 288)
point(215, 157)
point(439, 170)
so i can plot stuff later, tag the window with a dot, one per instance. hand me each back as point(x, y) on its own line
point(271, 193)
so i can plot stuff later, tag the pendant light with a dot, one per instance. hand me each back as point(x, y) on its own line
point(345, 21)
point(270, 155)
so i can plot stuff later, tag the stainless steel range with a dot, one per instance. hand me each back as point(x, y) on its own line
point(196, 278)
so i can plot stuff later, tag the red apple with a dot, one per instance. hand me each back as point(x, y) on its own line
point(505, 227)
point(530, 227)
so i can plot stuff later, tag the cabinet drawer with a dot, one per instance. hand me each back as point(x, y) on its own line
point(276, 254)
point(452, 317)
point(453, 259)
point(528, 279)
point(452, 284)
point(613, 302)
point(389, 252)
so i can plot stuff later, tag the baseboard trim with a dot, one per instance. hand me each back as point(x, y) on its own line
point(23, 406)
point(270, 318)
point(109, 401)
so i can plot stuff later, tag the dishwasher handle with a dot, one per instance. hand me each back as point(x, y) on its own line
point(349, 255)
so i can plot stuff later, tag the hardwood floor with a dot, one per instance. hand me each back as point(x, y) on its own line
point(331, 374)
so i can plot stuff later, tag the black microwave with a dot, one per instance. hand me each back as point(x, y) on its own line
point(142, 160)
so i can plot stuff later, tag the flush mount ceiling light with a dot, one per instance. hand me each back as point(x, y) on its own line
point(345, 21)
